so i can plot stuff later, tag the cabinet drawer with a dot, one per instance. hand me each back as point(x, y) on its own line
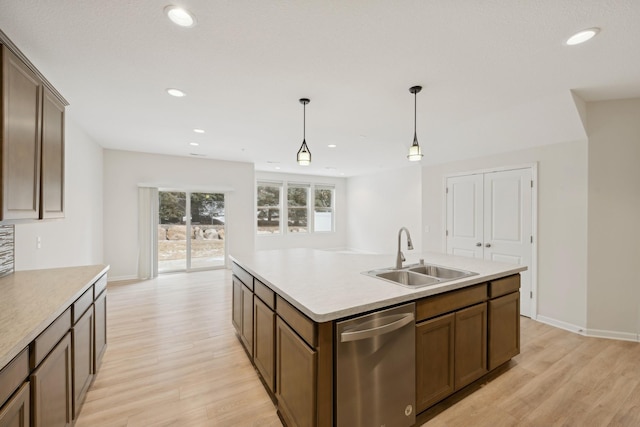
point(13, 375)
point(300, 323)
point(82, 304)
point(450, 301)
point(504, 286)
point(99, 286)
point(42, 345)
point(265, 294)
point(244, 277)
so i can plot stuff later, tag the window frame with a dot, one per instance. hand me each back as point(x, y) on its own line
point(307, 187)
point(281, 218)
point(331, 208)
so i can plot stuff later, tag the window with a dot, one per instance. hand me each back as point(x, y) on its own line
point(323, 209)
point(268, 206)
point(294, 208)
point(298, 208)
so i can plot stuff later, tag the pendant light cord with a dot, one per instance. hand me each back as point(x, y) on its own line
point(304, 122)
point(415, 114)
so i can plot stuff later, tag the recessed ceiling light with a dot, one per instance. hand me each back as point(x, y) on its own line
point(180, 16)
point(332, 145)
point(198, 130)
point(176, 92)
point(195, 144)
point(277, 168)
point(582, 36)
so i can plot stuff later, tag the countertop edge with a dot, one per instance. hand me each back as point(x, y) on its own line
point(364, 308)
point(6, 358)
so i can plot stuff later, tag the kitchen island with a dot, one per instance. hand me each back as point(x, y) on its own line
point(287, 303)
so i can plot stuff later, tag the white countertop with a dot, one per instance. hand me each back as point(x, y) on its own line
point(31, 300)
point(329, 285)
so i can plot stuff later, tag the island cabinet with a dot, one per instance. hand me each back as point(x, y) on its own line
point(32, 143)
point(242, 313)
point(292, 353)
point(451, 343)
point(82, 336)
point(304, 368)
point(504, 320)
point(99, 321)
point(461, 335)
point(264, 324)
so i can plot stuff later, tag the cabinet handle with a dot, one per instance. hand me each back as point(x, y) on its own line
point(478, 244)
point(361, 334)
point(488, 245)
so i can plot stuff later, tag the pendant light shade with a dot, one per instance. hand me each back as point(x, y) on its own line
point(415, 153)
point(304, 155)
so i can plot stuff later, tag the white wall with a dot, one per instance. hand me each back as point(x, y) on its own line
point(562, 223)
point(379, 205)
point(76, 239)
point(614, 218)
point(124, 171)
point(335, 240)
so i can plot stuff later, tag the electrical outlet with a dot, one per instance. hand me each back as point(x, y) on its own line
point(38, 242)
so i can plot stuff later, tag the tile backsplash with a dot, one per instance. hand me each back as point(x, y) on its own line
point(6, 249)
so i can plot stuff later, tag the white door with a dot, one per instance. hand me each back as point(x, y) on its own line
point(504, 210)
point(464, 216)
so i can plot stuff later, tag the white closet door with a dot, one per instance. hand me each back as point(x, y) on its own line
point(464, 216)
point(490, 216)
point(508, 222)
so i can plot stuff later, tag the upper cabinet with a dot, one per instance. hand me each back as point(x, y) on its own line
point(31, 143)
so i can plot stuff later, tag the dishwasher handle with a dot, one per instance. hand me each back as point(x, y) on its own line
point(362, 334)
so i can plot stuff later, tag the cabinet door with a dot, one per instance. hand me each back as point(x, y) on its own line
point(236, 308)
point(52, 186)
point(504, 329)
point(99, 329)
point(82, 344)
point(471, 344)
point(296, 377)
point(16, 412)
point(52, 389)
point(21, 98)
point(263, 343)
point(434, 360)
point(247, 319)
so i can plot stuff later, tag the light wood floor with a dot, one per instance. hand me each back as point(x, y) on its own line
point(173, 360)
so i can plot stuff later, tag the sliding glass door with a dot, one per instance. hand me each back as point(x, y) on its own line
point(191, 231)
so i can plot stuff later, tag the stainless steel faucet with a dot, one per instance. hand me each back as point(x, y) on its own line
point(400, 258)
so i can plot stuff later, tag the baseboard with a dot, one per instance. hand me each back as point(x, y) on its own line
point(120, 278)
point(625, 336)
point(595, 333)
point(562, 325)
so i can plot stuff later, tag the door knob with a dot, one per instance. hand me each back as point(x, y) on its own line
point(478, 244)
point(488, 245)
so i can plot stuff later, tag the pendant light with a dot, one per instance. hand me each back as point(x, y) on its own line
point(304, 155)
point(415, 154)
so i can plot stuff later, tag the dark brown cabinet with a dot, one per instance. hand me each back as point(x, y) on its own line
point(82, 342)
point(32, 144)
point(296, 374)
point(99, 328)
point(246, 334)
point(236, 307)
point(470, 344)
point(504, 329)
point(435, 340)
point(52, 388)
point(16, 413)
point(263, 344)
point(52, 184)
point(21, 139)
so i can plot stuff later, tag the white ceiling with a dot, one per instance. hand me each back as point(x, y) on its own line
point(495, 73)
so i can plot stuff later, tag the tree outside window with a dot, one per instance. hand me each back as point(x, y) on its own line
point(268, 209)
point(298, 209)
point(323, 209)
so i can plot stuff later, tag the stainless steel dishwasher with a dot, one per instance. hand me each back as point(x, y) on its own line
point(375, 374)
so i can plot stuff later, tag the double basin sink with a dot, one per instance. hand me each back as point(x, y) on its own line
point(419, 275)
